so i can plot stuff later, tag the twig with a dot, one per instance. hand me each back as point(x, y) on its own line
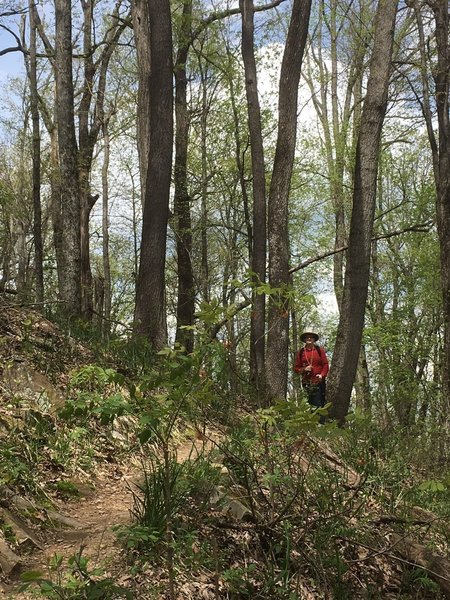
point(389, 555)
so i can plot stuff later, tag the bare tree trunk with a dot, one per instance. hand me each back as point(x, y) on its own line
point(37, 212)
point(362, 384)
point(150, 318)
point(21, 254)
point(141, 27)
point(105, 232)
point(440, 151)
point(182, 211)
point(258, 263)
point(85, 159)
point(55, 205)
point(278, 242)
point(204, 193)
point(6, 250)
point(442, 177)
point(68, 162)
point(351, 322)
point(90, 123)
point(135, 207)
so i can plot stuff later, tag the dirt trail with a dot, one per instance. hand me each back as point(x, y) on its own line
point(106, 504)
point(96, 514)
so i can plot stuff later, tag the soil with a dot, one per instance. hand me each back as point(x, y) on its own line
point(106, 504)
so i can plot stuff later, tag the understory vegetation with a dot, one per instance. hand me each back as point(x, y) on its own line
point(231, 500)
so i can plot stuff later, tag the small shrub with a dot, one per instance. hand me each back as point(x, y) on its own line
point(157, 499)
point(66, 490)
point(78, 582)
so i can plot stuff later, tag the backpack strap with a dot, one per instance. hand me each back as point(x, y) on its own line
point(320, 351)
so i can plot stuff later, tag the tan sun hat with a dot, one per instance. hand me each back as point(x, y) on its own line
point(306, 334)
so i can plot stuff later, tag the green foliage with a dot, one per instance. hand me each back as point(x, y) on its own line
point(79, 582)
point(418, 581)
point(93, 377)
point(95, 392)
point(66, 490)
point(15, 469)
point(201, 477)
point(240, 581)
point(136, 538)
point(72, 447)
point(157, 499)
point(432, 486)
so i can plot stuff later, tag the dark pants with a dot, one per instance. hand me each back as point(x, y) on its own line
point(316, 396)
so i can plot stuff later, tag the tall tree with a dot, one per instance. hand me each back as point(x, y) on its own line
point(90, 121)
point(440, 150)
point(344, 25)
point(351, 321)
point(258, 257)
point(37, 212)
point(91, 118)
point(141, 28)
point(150, 318)
point(442, 83)
point(68, 162)
point(105, 228)
point(181, 209)
point(278, 241)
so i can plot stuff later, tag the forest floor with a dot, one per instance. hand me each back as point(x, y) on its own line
point(372, 532)
point(106, 504)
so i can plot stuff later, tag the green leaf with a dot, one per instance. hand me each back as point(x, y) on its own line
point(432, 486)
point(31, 576)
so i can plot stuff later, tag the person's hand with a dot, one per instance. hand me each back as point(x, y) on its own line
point(308, 368)
point(319, 376)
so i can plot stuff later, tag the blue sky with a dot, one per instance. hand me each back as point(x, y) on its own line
point(11, 64)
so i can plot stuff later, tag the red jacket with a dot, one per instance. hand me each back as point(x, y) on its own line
point(315, 357)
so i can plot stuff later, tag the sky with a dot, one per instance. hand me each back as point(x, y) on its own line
point(11, 64)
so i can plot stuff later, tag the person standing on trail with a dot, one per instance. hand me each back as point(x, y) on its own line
point(311, 363)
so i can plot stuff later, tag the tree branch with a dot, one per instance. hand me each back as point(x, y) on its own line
point(223, 14)
point(420, 228)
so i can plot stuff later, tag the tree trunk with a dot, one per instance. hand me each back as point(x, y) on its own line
point(141, 27)
point(204, 192)
point(442, 83)
point(68, 163)
point(351, 322)
point(150, 319)
point(362, 384)
point(91, 121)
point(86, 146)
point(182, 211)
point(258, 264)
point(55, 205)
point(278, 242)
point(105, 233)
point(37, 213)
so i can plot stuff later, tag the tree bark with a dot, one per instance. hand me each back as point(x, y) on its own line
point(351, 322)
point(141, 27)
point(105, 232)
point(182, 211)
point(204, 269)
point(258, 257)
point(150, 318)
point(68, 163)
point(278, 242)
point(91, 120)
point(37, 212)
point(442, 178)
